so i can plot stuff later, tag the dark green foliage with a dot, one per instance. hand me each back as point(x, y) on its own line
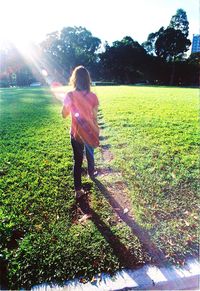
point(123, 61)
point(149, 45)
point(171, 43)
point(73, 46)
point(180, 22)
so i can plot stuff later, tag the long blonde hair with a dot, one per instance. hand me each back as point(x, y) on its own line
point(80, 79)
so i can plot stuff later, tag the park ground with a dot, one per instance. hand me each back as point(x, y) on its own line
point(144, 202)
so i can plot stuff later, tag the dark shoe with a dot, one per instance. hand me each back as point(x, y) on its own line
point(93, 175)
point(79, 193)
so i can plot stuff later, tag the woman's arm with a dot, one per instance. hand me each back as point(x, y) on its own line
point(65, 111)
point(66, 106)
point(95, 111)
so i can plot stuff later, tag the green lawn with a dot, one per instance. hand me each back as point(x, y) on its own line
point(39, 239)
point(152, 133)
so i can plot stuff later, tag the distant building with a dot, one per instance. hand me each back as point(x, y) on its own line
point(196, 43)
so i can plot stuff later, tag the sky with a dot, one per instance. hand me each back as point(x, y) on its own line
point(110, 20)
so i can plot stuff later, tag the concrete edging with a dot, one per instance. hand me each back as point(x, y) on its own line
point(147, 277)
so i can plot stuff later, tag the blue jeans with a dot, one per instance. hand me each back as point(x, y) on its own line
point(78, 152)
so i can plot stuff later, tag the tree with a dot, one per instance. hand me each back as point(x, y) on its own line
point(171, 43)
point(194, 59)
point(14, 69)
point(71, 47)
point(149, 45)
point(123, 62)
point(81, 46)
point(179, 22)
point(170, 46)
point(24, 76)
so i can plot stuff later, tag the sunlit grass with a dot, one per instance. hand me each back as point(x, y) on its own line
point(153, 133)
point(39, 240)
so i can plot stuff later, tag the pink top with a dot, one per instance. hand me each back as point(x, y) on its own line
point(81, 106)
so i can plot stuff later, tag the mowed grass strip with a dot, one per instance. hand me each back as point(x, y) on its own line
point(39, 240)
point(153, 134)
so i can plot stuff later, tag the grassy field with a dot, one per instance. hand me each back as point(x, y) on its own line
point(152, 133)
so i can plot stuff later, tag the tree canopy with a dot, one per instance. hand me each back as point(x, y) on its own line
point(71, 47)
point(180, 22)
point(124, 61)
point(170, 42)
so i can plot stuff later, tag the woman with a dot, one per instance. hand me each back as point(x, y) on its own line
point(82, 105)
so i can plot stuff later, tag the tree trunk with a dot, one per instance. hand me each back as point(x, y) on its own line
point(171, 82)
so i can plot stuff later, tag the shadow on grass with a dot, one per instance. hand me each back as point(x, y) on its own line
point(124, 255)
point(156, 254)
point(126, 258)
point(102, 125)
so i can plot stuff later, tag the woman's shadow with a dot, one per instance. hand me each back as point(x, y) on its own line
point(156, 255)
point(125, 256)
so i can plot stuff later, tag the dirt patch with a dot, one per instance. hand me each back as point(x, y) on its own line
point(106, 154)
point(117, 188)
point(119, 191)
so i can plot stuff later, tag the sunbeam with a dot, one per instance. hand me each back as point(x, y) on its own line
point(43, 68)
